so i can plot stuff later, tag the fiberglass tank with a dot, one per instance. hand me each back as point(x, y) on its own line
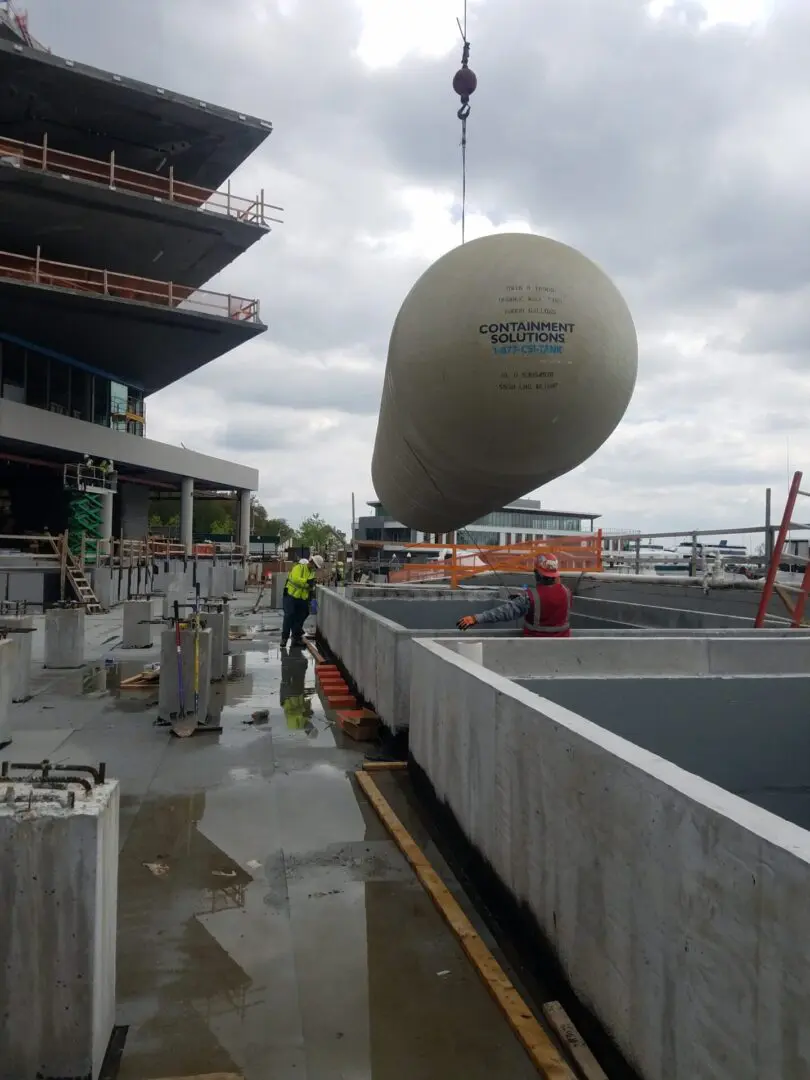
point(512, 359)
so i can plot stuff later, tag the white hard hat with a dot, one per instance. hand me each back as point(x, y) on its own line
point(318, 560)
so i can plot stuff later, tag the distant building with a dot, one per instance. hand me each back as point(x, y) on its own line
point(521, 520)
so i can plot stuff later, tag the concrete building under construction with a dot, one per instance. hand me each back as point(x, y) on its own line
point(112, 219)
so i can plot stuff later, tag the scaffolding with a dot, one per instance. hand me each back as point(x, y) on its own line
point(88, 478)
point(84, 527)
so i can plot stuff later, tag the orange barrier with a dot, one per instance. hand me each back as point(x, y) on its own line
point(126, 287)
point(578, 554)
point(40, 156)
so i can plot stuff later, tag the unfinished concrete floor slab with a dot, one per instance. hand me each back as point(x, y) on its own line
point(268, 927)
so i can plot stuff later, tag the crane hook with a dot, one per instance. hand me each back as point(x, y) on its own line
point(465, 82)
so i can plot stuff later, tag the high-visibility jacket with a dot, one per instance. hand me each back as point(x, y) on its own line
point(297, 711)
point(548, 612)
point(301, 581)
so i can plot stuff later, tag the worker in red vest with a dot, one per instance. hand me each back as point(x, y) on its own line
point(544, 609)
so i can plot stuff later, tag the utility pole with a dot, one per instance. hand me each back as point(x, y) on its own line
point(354, 545)
point(768, 529)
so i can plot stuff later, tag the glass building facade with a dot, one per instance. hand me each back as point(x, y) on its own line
point(35, 378)
point(510, 525)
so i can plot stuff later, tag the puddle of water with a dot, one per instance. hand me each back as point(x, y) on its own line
point(282, 686)
point(264, 931)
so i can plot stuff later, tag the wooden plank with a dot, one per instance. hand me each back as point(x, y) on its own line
point(384, 766)
point(560, 1021)
point(310, 645)
point(535, 1039)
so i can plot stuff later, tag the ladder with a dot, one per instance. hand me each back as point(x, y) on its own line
point(796, 610)
point(76, 577)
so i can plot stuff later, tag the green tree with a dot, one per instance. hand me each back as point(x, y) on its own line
point(279, 527)
point(211, 514)
point(258, 516)
point(221, 527)
point(319, 536)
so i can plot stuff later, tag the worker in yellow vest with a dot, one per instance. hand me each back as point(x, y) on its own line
point(298, 595)
point(293, 695)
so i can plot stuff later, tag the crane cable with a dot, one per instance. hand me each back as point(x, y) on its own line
point(464, 84)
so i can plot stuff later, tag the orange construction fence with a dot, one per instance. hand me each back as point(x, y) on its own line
point(575, 554)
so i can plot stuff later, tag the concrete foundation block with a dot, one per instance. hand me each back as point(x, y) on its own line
point(215, 621)
point(239, 578)
point(171, 594)
point(103, 586)
point(20, 666)
point(169, 684)
point(220, 580)
point(226, 633)
point(64, 638)
point(137, 624)
point(57, 931)
point(277, 585)
point(8, 674)
point(163, 581)
point(238, 666)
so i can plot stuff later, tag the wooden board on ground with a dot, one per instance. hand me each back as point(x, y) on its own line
point(579, 1050)
point(142, 681)
point(313, 650)
point(539, 1045)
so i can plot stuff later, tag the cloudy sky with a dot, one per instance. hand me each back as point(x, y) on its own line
point(668, 140)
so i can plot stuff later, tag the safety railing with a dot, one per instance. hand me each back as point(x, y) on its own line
point(574, 555)
point(86, 279)
point(108, 172)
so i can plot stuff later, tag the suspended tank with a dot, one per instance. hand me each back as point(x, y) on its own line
point(512, 359)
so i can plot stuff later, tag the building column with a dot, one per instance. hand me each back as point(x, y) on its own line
point(243, 534)
point(105, 537)
point(187, 513)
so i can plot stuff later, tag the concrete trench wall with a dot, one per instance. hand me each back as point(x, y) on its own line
point(748, 735)
point(677, 607)
point(677, 910)
point(639, 653)
point(376, 651)
point(372, 637)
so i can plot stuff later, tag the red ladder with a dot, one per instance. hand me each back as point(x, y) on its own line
point(796, 610)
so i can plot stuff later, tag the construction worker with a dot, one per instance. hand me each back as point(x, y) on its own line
point(294, 698)
point(298, 594)
point(544, 609)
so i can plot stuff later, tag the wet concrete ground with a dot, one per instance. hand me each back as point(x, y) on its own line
point(268, 926)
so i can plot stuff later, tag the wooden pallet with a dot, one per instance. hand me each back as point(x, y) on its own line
point(142, 681)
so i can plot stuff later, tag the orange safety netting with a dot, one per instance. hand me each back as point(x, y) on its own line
point(575, 555)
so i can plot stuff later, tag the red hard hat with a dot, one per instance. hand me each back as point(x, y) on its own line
point(546, 566)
